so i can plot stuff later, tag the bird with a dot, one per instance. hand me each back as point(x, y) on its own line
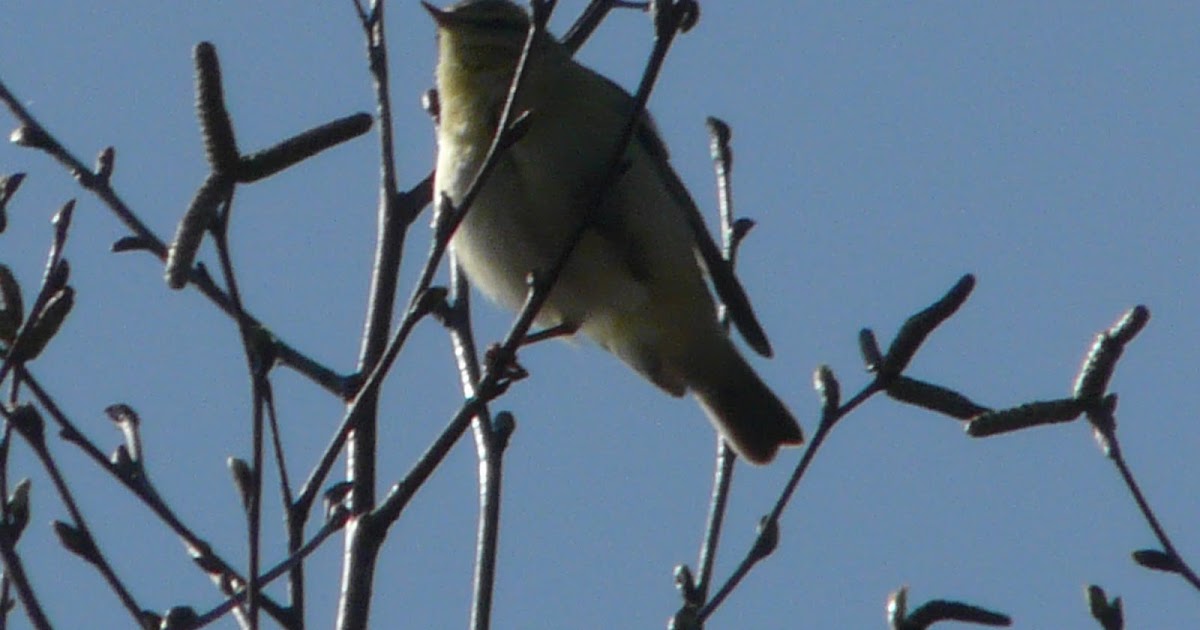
point(635, 283)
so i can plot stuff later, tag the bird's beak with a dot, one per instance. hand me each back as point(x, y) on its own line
point(443, 18)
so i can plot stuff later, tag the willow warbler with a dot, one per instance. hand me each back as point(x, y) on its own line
point(635, 283)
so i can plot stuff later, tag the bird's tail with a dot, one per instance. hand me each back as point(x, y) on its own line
point(745, 411)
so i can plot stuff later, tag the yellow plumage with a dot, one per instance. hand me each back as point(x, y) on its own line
point(635, 283)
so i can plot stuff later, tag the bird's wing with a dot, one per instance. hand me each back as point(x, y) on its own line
point(720, 272)
point(729, 289)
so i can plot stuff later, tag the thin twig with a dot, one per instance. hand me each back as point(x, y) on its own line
point(487, 449)
point(258, 384)
point(293, 522)
point(1144, 506)
point(722, 479)
point(724, 465)
point(582, 29)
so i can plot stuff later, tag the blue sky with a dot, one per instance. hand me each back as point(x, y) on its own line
point(884, 149)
